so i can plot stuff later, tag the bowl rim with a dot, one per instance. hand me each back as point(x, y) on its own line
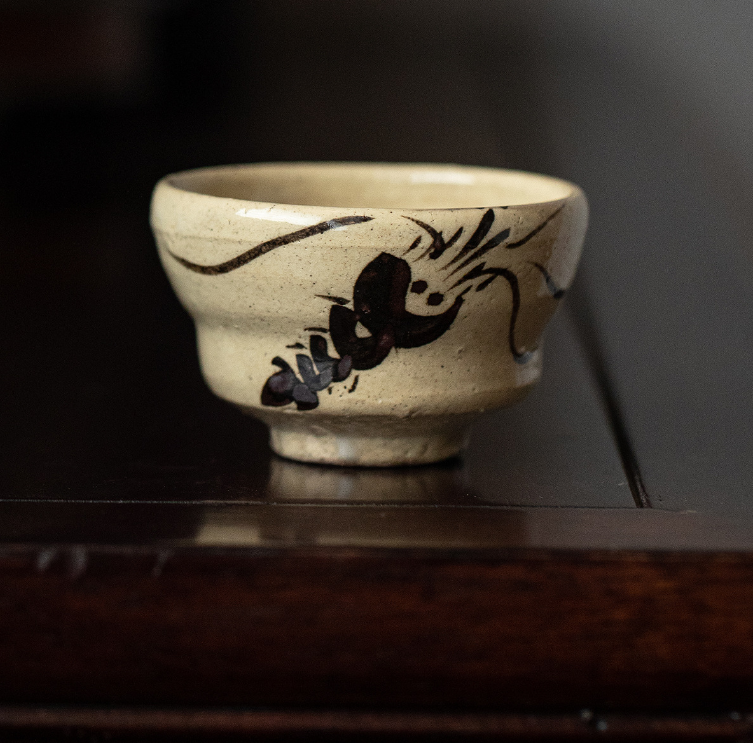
point(179, 182)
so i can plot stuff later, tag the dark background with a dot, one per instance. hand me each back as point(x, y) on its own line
point(647, 105)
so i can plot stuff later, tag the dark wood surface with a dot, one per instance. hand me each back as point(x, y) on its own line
point(470, 629)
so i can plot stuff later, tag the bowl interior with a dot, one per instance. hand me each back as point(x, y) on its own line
point(374, 186)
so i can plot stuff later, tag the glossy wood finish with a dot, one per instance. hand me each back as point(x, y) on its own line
point(53, 528)
point(511, 629)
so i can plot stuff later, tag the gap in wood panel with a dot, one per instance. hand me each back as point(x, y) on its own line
point(581, 311)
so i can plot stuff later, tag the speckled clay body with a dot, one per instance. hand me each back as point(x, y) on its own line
point(368, 313)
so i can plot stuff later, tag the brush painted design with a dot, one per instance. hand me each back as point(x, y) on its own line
point(269, 245)
point(379, 304)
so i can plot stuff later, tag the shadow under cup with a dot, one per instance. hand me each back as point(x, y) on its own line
point(368, 313)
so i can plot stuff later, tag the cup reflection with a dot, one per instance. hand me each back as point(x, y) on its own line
point(305, 483)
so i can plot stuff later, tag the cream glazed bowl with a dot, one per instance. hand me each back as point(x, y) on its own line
point(368, 313)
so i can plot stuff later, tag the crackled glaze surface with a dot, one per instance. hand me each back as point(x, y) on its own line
point(368, 313)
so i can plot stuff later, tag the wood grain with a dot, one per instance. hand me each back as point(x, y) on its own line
point(481, 630)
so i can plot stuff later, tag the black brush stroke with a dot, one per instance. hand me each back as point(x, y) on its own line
point(500, 237)
point(413, 245)
point(269, 245)
point(475, 239)
point(340, 367)
point(521, 357)
point(524, 240)
point(331, 298)
point(283, 388)
point(551, 286)
point(438, 244)
point(439, 250)
point(436, 237)
point(379, 298)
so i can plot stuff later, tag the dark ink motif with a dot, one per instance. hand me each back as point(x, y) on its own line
point(470, 255)
point(317, 372)
point(379, 310)
point(379, 306)
point(379, 321)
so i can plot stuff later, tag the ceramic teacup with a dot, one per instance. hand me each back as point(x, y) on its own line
point(368, 312)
